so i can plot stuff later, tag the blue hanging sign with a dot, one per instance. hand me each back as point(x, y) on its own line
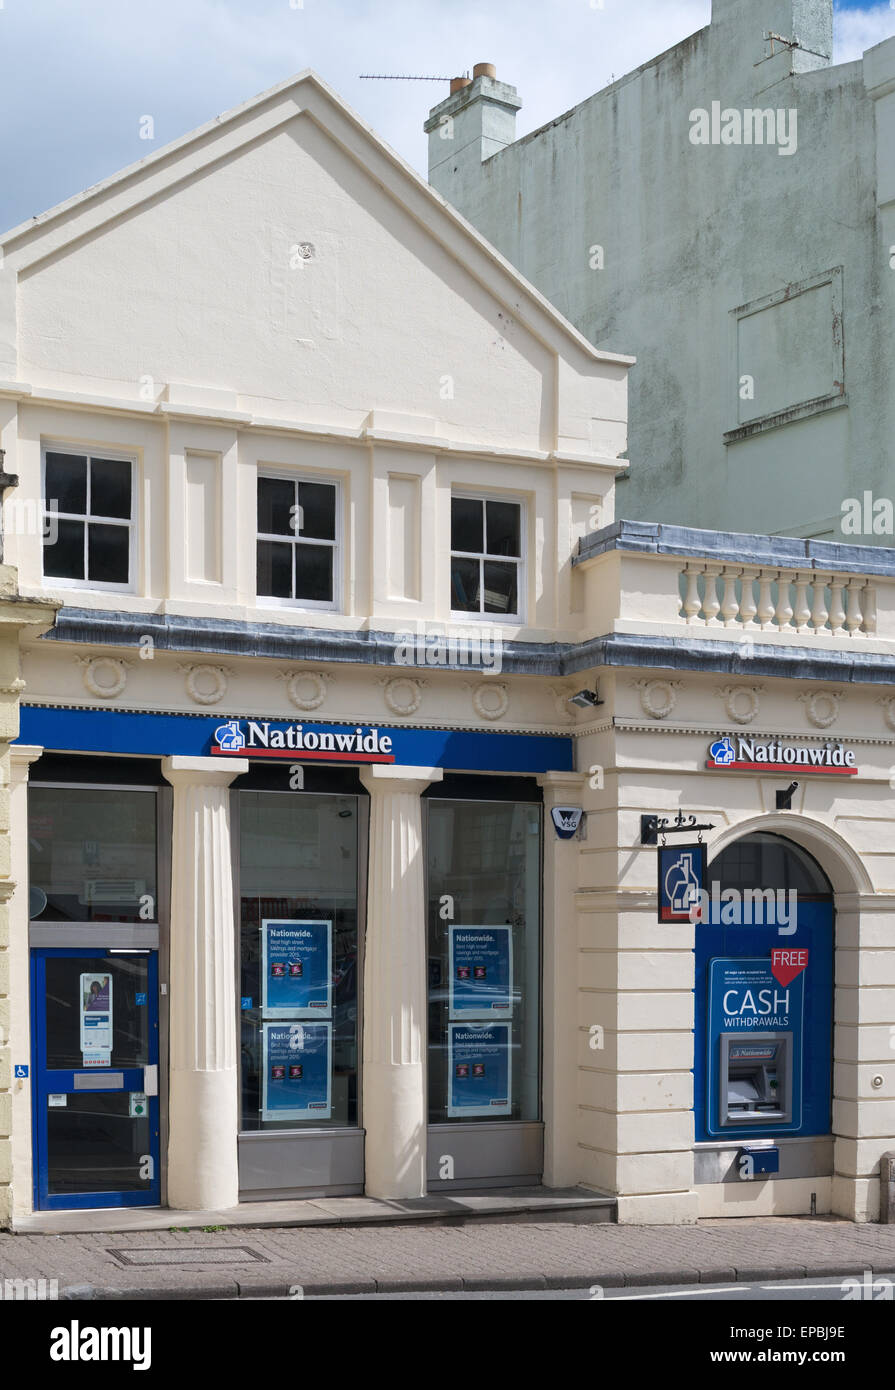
point(479, 1069)
point(296, 969)
point(683, 871)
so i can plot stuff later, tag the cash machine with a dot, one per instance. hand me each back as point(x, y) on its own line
point(755, 1079)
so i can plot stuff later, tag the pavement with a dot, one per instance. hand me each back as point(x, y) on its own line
point(243, 1262)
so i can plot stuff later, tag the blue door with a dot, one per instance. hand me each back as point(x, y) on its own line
point(95, 1078)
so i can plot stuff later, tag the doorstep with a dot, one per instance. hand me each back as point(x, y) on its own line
point(517, 1204)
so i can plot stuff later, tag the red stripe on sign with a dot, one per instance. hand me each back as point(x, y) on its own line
point(302, 755)
point(783, 767)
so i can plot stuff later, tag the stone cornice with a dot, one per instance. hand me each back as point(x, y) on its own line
point(638, 651)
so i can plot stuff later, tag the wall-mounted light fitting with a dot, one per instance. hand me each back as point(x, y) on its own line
point(585, 699)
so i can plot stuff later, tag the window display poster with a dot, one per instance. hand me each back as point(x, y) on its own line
point(296, 1059)
point(96, 1020)
point(479, 1069)
point(296, 969)
point(481, 966)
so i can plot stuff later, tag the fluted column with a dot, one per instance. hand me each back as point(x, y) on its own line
point(203, 1095)
point(395, 984)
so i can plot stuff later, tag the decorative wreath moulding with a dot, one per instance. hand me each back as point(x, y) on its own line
point(306, 689)
point(741, 702)
point(888, 704)
point(403, 694)
point(206, 684)
point(821, 707)
point(658, 698)
point(490, 699)
point(104, 676)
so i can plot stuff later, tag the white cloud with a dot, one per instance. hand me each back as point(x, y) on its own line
point(858, 30)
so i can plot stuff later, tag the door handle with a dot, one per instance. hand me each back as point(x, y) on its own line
point(150, 1081)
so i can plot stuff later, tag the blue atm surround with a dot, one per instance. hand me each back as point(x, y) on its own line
point(810, 1019)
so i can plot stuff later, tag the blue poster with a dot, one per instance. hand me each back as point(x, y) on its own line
point(296, 969)
point(481, 966)
point(479, 1069)
point(749, 999)
point(295, 1059)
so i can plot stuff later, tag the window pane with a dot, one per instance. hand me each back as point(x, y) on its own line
point(92, 854)
point(298, 864)
point(66, 483)
point(503, 528)
point(110, 488)
point(275, 569)
point(64, 557)
point(108, 554)
point(276, 500)
point(466, 525)
point(500, 587)
point(465, 585)
point(317, 511)
point(486, 856)
point(314, 573)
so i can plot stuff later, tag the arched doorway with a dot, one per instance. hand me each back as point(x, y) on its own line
point(764, 1005)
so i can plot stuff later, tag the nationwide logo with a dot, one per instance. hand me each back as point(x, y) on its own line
point(740, 754)
point(260, 739)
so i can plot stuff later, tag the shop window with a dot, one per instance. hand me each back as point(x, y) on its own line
point(484, 961)
point(88, 527)
point(297, 542)
point(298, 864)
point(92, 854)
point(486, 556)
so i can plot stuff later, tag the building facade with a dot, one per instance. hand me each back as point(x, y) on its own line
point(727, 214)
point(366, 780)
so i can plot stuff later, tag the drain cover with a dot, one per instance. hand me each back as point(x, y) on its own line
point(190, 1255)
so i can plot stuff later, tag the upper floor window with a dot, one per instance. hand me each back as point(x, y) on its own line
point(89, 530)
point(297, 546)
point(486, 556)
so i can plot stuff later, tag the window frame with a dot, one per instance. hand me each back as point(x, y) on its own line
point(290, 475)
point(52, 581)
point(461, 615)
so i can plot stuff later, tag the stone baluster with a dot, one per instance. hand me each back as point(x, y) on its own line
point(783, 613)
point(854, 617)
point(837, 612)
point(710, 604)
point(730, 607)
point(748, 607)
point(692, 601)
point(801, 608)
point(765, 602)
point(869, 606)
point(819, 612)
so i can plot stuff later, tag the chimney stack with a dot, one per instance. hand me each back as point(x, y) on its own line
point(475, 121)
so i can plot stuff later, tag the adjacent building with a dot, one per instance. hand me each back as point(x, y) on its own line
point(727, 214)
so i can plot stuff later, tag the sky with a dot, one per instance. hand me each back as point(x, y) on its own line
point(79, 77)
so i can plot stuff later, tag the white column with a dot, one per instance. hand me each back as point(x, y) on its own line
point(395, 984)
point(560, 976)
point(15, 1020)
point(202, 1109)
